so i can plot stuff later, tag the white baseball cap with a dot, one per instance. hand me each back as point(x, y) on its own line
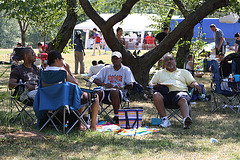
point(117, 54)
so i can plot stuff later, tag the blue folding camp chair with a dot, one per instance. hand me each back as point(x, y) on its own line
point(56, 95)
point(220, 98)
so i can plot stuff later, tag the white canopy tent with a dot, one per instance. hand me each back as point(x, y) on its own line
point(132, 23)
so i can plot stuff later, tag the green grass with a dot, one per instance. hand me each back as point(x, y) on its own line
point(169, 143)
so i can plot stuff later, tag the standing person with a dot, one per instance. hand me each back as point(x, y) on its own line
point(126, 38)
point(97, 41)
point(237, 42)
point(119, 36)
point(160, 36)
point(220, 42)
point(41, 47)
point(79, 53)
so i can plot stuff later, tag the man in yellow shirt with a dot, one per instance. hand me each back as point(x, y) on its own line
point(177, 81)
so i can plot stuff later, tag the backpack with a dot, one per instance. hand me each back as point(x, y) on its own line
point(98, 39)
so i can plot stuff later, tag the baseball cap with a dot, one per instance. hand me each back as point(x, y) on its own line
point(117, 54)
point(44, 56)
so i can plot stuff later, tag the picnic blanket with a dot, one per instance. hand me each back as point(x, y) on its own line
point(107, 127)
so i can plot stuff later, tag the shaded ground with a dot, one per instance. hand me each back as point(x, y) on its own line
point(8, 132)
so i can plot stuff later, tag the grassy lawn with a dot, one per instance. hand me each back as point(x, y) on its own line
point(169, 143)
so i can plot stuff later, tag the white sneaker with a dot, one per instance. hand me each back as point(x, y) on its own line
point(187, 121)
point(165, 123)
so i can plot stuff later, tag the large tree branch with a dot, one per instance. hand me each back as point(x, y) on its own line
point(107, 26)
point(126, 8)
point(92, 14)
point(188, 23)
point(181, 7)
point(65, 32)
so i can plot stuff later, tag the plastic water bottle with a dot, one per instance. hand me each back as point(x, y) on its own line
point(20, 82)
point(66, 125)
point(213, 140)
point(20, 87)
point(230, 78)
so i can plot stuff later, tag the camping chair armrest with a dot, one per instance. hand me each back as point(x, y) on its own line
point(92, 92)
point(191, 92)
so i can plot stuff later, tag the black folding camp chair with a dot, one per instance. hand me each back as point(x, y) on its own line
point(174, 112)
point(23, 105)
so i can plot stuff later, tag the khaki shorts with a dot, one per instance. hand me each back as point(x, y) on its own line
point(96, 45)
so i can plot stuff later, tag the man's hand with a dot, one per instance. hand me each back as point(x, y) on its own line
point(108, 85)
point(198, 88)
point(118, 87)
point(30, 87)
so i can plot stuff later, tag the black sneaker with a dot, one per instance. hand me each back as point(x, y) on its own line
point(115, 120)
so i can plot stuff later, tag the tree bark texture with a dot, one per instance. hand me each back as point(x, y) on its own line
point(23, 28)
point(66, 30)
point(141, 65)
point(183, 50)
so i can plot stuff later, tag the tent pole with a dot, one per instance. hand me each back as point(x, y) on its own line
point(86, 38)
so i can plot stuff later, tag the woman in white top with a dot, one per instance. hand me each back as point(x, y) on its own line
point(189, 64)
point(190, 67)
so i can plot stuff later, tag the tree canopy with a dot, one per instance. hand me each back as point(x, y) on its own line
point(141, 65)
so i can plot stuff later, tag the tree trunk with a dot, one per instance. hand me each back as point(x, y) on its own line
point(183, 50)
point(23, 29)
point(141, 65)
point(66, 30)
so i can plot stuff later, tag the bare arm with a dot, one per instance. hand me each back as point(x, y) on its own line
point(100, 83)
point(155, 41)
point(236, 47)
point(220, 44)
point(13, 84)
point(70, 77)
point(196, 86)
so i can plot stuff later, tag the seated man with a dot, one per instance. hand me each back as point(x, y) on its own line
point(27, 73)
point(95, 68)
point(114, 78)
point(55, 62)
point(178, 96)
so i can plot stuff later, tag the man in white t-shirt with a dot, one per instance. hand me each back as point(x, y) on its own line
point(114, 78)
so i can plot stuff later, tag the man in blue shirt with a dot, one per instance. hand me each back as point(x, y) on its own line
point(79, 53)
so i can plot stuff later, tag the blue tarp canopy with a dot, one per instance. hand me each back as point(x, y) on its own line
point(229, 29)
